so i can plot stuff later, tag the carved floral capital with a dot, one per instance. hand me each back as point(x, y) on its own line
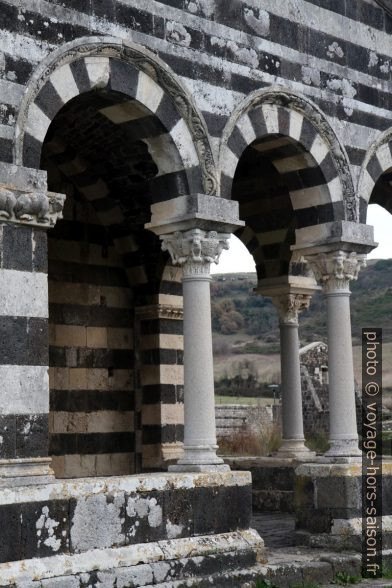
point(34, 208)
point(289, 306)
point(336, 269)
point(195, 249)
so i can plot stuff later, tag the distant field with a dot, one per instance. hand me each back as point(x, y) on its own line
point(268, 366)
point(243, 400)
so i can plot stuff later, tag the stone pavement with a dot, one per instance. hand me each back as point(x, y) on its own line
point(291, 566)
point(277, 529)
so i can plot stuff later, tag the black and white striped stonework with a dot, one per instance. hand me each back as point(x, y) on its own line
point(335, 52)
point(24, 387)
point(110, 167)
point(159, 340)
point(281, 171)
point(376, 178)
point(142, 108)
point(91, 355)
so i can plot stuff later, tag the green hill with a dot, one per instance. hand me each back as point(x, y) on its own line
point(246, 322)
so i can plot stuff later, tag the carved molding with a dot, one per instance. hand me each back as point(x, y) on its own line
point(364, 189)
point(34, 208)
point(147, 62)
point(195, 250)
point(386, 5)
point(336, 269)
point(289, 306)
point(287, 98)
point(159, 311)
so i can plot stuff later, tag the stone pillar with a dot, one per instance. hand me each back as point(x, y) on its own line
point(288, 306)
point(195, 250)
point(335, 270)
point(24, 383)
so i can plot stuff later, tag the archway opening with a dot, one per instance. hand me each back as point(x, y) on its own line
point(282, 185)
point(372, 302)
point(112, 158)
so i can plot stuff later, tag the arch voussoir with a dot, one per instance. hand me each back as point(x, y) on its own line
point(275, 117)
point(108, 64)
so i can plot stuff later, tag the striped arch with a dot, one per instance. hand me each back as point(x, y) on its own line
point(274, 115)
point(376, 166)
point(281, 160)
point(109, 64)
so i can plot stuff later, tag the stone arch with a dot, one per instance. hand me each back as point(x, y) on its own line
point(279, 111)
point(94, 63)
point(378, 160)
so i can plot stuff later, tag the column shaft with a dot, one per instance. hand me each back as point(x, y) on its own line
point(335, 270)
point(195, 250)
point(199, 409)
point(293, 446)
point(292, 420)
point(342, 412)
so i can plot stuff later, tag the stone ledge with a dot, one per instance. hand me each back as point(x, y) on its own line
point(262, 462)
point(194, 210)
point(22, 178)
point(80, 487)
point(100, 560)
point(78, 516)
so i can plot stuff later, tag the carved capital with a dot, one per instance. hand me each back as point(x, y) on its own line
point(34, 208)
point(289, 306)
point(336, 269)
point(195, 250)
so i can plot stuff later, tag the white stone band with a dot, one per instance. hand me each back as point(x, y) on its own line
point(23, 294)
point(24, 389)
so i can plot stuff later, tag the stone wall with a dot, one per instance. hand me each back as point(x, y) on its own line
point(91, 357)
point(201, 40)
point(315, 394)
point(239, 418)
point(76, 530)
point(328, 505)
point(273, 481)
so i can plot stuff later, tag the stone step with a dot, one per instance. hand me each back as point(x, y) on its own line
point(140, 565)
point(287, 568)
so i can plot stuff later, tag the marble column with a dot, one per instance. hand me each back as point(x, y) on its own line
point(195, 250)
point(288, 306)
point(335, 270)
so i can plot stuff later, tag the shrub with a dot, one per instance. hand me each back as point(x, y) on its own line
point(262, 444)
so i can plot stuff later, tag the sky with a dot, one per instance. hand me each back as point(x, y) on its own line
point(238, 259)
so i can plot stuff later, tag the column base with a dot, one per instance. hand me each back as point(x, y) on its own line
point(200, 459)
point(178, 467)
point(26, 471)
point(342, 451)
point(295, 449)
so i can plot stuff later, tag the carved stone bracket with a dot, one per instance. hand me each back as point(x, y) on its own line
point(195, 250)
point(34, 208)
point(336, 269)
point(289, 306)
point(159, 311)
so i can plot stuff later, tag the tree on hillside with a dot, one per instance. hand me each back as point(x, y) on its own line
point(225, 319)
